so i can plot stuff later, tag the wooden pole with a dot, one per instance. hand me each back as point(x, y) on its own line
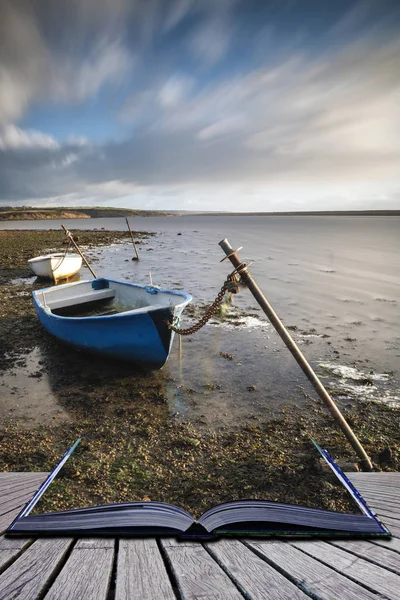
point(133, 240)
point(69, 234)
point(291, 345)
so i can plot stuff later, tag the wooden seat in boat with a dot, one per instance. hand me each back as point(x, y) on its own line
point(91, 296)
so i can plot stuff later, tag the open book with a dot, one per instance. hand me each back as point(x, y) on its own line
point(243, 517)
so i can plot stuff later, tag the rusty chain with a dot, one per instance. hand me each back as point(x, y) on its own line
point(230, 285)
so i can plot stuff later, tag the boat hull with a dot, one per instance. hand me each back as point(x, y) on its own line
point(56, 266)
point(140, 336)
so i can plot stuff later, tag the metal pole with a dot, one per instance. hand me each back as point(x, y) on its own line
point(133, 241)
point(290, 343)
point(69, 234)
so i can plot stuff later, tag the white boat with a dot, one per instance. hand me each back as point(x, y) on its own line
point(56, 266)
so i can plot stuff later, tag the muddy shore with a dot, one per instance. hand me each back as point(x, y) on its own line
point(133, 448)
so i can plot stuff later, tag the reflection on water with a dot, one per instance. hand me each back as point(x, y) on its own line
point(333, 281)
point(27, 395)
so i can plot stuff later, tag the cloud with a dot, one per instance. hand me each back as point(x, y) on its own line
point(175, 90)
point(22, 59)
point(178, 10)
point(209, 42)
point(52, 52)
point(35, 166)
point(222, 128)
point(192, 110)
point(74, 79)
point(14, 138)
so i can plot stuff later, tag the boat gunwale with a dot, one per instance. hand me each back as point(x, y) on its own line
point(54, 255)
point(135, 311)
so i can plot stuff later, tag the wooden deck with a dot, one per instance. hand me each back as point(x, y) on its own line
point(153, 569)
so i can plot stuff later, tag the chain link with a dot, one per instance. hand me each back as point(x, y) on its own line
point(229, 285)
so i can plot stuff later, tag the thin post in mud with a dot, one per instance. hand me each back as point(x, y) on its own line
point(242, 269)
point(133, 240)
point(71, 237)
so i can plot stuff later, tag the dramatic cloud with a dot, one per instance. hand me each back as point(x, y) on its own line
point(37, 66)
point(252, 98)
point(22, 60)
point(14, 138)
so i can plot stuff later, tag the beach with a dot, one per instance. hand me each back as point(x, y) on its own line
point(214, 424)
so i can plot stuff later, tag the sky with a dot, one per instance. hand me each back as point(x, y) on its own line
point(236, 105)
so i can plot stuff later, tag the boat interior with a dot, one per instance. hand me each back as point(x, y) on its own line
point(102, 297)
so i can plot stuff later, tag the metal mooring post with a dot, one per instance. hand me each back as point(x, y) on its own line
point(291, 344)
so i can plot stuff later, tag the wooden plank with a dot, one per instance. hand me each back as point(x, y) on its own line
point(16, 495)
point(381, 556)
point(378, 487)
point(15, 478)
point(379, 492)
point(376, 578)
point(8, 518)
point(87, 572)
point(383, 503)
point(197, 574)
point(10, 548)
point(251, 573)
point(371, 498)
point(392, 525)
point(13, 482)
point(389, 486)
point(14, 486)
point(15, 500)
point(381, 476)
point(141, 572)
point(383, 513)
point(17, 488)
point(392, 543)
point(32, 572)
point(173, 541)
point(314, 578)
point(22, 475)
point(7, 543)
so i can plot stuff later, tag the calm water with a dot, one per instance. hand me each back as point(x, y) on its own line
point(333, 280)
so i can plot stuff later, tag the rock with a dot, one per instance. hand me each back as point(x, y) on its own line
point(347, 465)
point(386, 456)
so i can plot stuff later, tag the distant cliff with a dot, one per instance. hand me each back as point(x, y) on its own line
point(27, 214)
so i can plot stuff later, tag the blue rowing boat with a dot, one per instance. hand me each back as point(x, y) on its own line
point(115, 318)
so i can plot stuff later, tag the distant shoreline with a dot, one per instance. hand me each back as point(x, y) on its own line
point(8, 213)
point(304, 213)
point(28, 214)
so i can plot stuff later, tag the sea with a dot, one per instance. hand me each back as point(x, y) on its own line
point(333, 281)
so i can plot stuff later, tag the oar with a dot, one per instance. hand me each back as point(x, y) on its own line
point(248, 280)
point(69, 234)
